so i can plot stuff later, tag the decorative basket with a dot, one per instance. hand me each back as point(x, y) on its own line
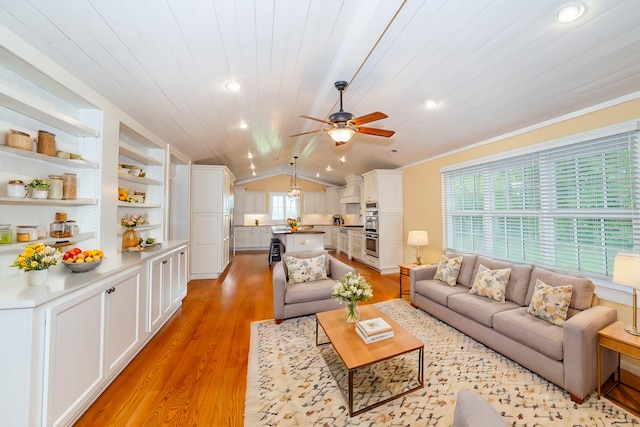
point(18, 139)
point(46, 143)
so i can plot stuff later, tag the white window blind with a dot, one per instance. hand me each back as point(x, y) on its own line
point(571, 207)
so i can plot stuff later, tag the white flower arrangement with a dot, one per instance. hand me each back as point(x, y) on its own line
point(351, 288)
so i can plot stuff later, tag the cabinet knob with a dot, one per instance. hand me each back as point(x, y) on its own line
point(111, 289)
point(165, 261)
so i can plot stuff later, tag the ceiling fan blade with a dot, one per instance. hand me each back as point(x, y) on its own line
point(317, 120)
point(369, 118)
point(376, 132)
point(306, 133)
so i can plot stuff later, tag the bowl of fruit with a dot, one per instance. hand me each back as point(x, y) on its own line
point(80, 261)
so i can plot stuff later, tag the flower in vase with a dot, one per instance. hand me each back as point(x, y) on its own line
point(132, 220)
point(352, 288)
point(37, 256)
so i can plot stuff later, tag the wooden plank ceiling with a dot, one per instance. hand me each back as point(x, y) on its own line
point(496, 66)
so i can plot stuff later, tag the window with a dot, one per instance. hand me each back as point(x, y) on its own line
point(281, 207)
point(571, 207)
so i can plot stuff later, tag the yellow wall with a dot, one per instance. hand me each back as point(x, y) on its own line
point(280, 183)
point(422, 189)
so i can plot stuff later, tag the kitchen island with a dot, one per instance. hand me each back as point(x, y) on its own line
point(301, 240)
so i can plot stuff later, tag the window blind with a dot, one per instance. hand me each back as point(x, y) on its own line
point(571, 207)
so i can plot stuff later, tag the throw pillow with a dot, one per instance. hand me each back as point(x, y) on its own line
point(550, 303)
point(306, 269)
point(448, 270)
point(491, 283)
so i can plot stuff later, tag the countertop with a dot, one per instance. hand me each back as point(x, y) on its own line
point(15, 292)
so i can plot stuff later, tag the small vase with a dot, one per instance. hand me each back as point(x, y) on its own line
point(37, 277)
point(352, 312)
point(39, 194)
point(130, 240)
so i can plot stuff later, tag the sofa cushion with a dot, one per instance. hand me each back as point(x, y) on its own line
point(550, 303)
point(582, 288)
point(307, 254)
point(518, 280)
point(448, 269)
point(306, 269)
point(531, 331)
point(491, 283)
point(472, 410)
point(479, 309)
point(309, 291)
point(437, 291)
point(467, 267)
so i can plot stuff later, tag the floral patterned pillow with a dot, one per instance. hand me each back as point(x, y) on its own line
point(550, 303)
point(448, 270)
point(305, 269)
point(491, 283)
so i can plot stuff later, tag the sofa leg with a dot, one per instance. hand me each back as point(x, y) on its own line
point(278, 321)
point(413, 305)
point(576, 399)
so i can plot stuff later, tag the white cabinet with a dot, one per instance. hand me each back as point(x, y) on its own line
point(356, 245)
point(327, 233)
point(91, 337)
point(238, 200)
point(383, 187)
point(335, 232)
point(159, 291)
point(331, 201)
point(255, 202)
point(240, 237)
point(314, 202)
point(210, 220)
point(29, 107)
point(255, 237)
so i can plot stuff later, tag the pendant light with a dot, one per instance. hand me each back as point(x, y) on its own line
point(294, 186)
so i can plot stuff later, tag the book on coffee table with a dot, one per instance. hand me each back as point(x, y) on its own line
point(372, 327)
point(374, 338)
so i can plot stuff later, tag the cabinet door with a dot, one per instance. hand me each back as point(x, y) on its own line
point(167, 268)
point(154, 295)
point(266, 237)
point(123, 307)
point(206, 190)
point(238, 200)
point(180, 276)
point(371, 188)
point(74, 366)
point(240, 237)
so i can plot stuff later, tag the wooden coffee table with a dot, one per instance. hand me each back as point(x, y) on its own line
point(355, 354)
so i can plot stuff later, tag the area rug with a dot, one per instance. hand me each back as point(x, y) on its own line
point(293, 382)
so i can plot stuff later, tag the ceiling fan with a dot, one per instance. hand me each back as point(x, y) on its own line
point(344, 125)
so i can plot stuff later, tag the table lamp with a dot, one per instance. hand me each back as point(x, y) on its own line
point(417, 239)
point(626, 271)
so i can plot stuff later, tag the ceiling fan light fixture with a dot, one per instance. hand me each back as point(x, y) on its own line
point(569, 12)
point(233, 86)
point(432, 103)
point(341, 134)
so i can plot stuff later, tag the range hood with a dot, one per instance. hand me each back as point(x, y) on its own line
point(351, 193)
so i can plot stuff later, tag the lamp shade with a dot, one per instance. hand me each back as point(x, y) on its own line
point(418, 238)
point(626, 270)
point(341, 134)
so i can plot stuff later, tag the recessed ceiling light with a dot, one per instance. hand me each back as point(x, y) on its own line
point(252, 166)
point(569, 12)
point(254, 173)
point(233, 86)
point(243, 125)
point(432, 103)
point(317, 174)
point(329, 168)
point(250, 156)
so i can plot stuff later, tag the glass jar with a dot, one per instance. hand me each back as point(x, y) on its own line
point(26, 233)
point(130, 240)
point(16, 188)
point(55, 187)
point(69, 186)
point(70, 227)
point(6, 236)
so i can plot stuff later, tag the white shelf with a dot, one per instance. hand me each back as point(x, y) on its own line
point(134, 154)
point(41, 110)
point(138, 180)
point(46, 202)
point(78, 164)
point(138, 205)
point(139, 228)
point(18, 246)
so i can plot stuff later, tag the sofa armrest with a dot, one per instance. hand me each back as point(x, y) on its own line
point(339, 268)
point(279, 279)
point(580, 343)
point(421, 272)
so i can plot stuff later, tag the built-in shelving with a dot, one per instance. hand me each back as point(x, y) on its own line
point(138, 180)
point(138, 155)
point(70, 163)
point(46, 202)
point(139, 205)
point(16, 247)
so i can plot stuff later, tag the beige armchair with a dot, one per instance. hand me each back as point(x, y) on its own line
point(300, 299)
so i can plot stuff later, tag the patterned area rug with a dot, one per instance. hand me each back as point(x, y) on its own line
point(293, 382)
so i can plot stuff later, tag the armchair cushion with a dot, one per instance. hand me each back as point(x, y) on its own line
point(306, 269)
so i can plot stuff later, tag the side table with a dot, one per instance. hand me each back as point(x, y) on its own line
point(405, 270)
point(615, 338)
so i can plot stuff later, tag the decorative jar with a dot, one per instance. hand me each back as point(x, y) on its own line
point(69, 186)
point(130, 240)
point(6, 236)
point(16, 188)
point(55, 187)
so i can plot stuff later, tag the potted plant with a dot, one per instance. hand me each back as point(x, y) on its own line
point(39, 188)
point(36, 259)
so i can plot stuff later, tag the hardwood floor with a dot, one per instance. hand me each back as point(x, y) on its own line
point(193, 372)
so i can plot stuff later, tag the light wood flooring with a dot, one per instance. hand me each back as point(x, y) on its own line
point(193, 372)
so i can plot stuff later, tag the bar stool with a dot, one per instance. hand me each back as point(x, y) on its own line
point(276, 249)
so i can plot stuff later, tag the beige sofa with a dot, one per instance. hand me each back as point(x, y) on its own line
point(565, 355)
point(300, 299)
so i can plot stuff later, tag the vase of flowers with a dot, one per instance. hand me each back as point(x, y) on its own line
point(36, 259)
point(130, 238)
point(350, 289)
point(293, 224)
point(39, 188)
